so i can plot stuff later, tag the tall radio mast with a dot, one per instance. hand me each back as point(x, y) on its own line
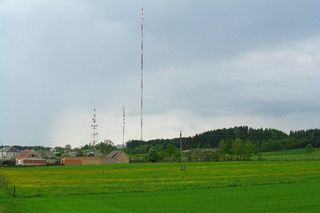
point(141, 74)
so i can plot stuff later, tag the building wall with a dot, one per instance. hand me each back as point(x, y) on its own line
point(94, 161)
point(52, 161)
point(68, 161)
point(8, 155)
point(83, 161)
point(123, 158)
point(31, 162)
point(12, 155)
point(120, 158)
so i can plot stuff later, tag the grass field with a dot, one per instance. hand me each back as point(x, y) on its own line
point(292, 154)
point(254, 186)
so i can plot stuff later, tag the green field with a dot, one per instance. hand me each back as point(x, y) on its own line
point(292, 154)
point(253, 186)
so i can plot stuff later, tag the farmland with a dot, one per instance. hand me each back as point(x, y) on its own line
point(221, 186)
point(292, 154)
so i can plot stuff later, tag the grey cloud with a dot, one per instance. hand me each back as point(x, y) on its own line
point(62, 56)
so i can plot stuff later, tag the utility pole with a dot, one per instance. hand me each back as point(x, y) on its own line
point(141, 67)
point(182, 167)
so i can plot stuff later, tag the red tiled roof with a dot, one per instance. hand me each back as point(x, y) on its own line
point(26, 154)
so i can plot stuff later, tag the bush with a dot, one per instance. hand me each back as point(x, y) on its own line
point(153, 154)
point(309, 148)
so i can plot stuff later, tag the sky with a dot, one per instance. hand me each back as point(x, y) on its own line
point(208, 64)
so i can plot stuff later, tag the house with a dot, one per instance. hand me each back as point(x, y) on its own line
point(117, 156)
point(8, 153)
point(83, 160)
point(46, 154)
point(30, 158)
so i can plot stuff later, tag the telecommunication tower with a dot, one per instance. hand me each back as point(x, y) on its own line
point(141, 67)
point(94, 126)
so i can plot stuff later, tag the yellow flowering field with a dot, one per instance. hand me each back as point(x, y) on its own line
point(95, 179)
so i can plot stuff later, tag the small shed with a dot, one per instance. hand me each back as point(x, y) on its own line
point(30, 158)
point(117, 156)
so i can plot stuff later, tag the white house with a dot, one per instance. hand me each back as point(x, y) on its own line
point(8, 153)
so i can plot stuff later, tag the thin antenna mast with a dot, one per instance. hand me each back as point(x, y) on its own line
point(94, 126)
point(141, 74)
point(124, 123)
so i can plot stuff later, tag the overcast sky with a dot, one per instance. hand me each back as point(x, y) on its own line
point(208, 64)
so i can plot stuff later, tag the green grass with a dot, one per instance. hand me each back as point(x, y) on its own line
point(293, 154)
point(296, 197)
point(216, 186)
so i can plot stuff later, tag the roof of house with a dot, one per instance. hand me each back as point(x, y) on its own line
point(26, 154)
point(46, 154)
point(9, 149)
point(114, 153)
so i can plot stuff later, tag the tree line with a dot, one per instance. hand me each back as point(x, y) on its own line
point(240, 142)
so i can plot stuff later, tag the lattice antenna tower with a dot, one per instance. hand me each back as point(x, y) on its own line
point(94, 126)
point(141, 67)
point(2, 149)
point(124, 123)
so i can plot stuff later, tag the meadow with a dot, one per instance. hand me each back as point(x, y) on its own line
point(291, 154)
point(285, 186)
